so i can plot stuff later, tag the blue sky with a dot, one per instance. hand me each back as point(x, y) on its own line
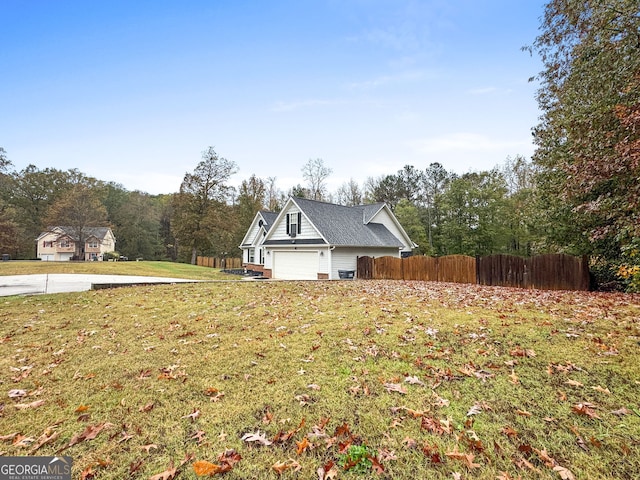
point(134, 91)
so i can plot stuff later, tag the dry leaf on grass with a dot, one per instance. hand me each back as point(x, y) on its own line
point(564, 473)
point(89, 433)
point(281, 467)
point(193, 415)
point(395, 387)
point(257, 437)
point(25, 406)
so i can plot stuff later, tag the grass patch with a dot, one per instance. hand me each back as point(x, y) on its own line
point(146, 268)
point(395, 380)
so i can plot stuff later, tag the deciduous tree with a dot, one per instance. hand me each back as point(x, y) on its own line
point(588, 136)
point(315, 173)
point(200, 210)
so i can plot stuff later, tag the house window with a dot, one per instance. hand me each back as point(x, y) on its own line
point(47, 244)
point(65, 244)
point(92, 244)
point(252, 255)
point(293, 223)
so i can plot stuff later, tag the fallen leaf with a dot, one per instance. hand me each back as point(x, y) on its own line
point(256, 437)
point(16, 393)
point(280, 467)
point(574, 383)
point(193, 415)
point(328, 471)
point(467, 458)
point(386, 455)
point(202, 468)
point(148, 448)
point(564, 473)
point(376, 465)
point(586, 409)
point(303, 446)
point(413, 380)
point(82, 408)
point(546, 459)
point(47, 436)
point(89, 433)
point(168, 474)
point(395, 387)
point(601, 390)
point(409, 442)
point(24, 406)
point(474, 410)
point(523, 463)
point(621, 412)
point(22, 441)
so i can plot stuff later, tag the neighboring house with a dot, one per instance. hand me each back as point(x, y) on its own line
point(311, 240)
point(59, 244)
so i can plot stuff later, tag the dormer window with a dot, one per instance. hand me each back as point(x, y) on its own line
point(293, 223)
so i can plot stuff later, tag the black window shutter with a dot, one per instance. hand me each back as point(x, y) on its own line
point(299, 222)
point(287, 224)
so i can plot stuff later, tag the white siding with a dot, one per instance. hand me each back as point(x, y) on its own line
point(346, 258)
point(279, 231)
point(384, 218)
point(253, 232)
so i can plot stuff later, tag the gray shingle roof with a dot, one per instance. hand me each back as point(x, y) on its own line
point(269, 218)
point(347, 226)
point(98, 232)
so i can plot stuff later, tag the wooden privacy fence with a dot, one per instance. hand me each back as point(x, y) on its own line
point(214, 262)
point(452, 268)
point(547, 272)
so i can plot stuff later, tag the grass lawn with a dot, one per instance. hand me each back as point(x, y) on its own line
point(318, 380)
point(146, 268)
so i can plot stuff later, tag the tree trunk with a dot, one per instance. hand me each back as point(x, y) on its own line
point(194, 255)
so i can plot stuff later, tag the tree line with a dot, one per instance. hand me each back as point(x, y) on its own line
point(579, 194)
point(476, 213)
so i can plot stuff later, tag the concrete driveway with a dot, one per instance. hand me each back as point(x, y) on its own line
point(63, 282)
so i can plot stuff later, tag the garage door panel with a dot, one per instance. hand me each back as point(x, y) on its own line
point(295, 265)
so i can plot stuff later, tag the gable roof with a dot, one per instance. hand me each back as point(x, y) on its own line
point(269, 218)
point(264, 219)
point(62, 231)
point(348, 226)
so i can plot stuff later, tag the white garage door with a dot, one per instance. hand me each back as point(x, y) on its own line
point(295, 265)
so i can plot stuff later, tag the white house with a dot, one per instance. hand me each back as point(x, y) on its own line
point(59, 244)
point(310, 240)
